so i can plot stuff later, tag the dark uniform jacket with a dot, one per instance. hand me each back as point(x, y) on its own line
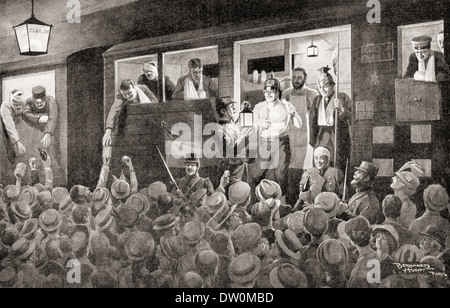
point(188, 185)
point(331, 181)
point(442, 70)
point(365, 203)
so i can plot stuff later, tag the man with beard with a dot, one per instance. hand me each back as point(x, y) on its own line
point(301, 151)
point(321, 178)
point(364, 202)
point(150, 79)
point(272, 119)
point(323, 118)
point(194, 85)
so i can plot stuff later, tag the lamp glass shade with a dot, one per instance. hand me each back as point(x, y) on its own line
point(246, 118)
point(33, 37)
point(312, 51)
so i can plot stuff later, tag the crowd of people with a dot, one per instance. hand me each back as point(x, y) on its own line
point(128, 236)
point(290, 224)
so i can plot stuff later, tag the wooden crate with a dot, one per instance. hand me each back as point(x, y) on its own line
point(417, 100)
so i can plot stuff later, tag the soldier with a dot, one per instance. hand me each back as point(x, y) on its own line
point(364, 202)
point(321, 178)
point(426, 64)
point(192, 181)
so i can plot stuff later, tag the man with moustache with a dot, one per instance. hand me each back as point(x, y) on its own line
point(321, 178)
point(192, 181)
point(364, 202)
point(194, 85)
point(302, 98)
point(272, 119)
point(323, 117)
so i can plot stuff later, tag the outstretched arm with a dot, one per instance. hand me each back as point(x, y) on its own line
point(105, 167)
point(133, 180)
point(48, 173)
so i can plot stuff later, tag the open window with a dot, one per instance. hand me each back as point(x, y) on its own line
point(133, 69)
point(176, 69)
point(407, 33)
point(256, 59)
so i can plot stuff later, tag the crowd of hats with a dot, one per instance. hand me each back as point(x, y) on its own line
point(149, 237)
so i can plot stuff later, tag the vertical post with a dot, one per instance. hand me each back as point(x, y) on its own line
point(336, 113)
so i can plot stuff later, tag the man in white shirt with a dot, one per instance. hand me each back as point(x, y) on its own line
point(272, 119)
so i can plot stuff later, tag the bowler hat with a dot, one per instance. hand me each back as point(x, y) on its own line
point(436, 233)
point(435, 197)
point(193, 232)
point(79, 236)
point(289, 243)
point(287, 275)
point(368, 168)
point(21, 209)
point(246, 236)
point(165, 221)
point(10, 193)
point(100, 194)
point(8, 277)
point(9, 236)
point(215, 201)
point(50, 220)
point(316, 222)
point(59, 193)
point(332, 255)
point(329, 202)
point(140, 246)
point(22, 248)
point(120, 189)
point(29, 194)
point(66, 204)
point(39, 187)
point(29, 227)
point(206, 261)
point(295, 222)
point(268, 189)
point(221, 216)
point(155, 189)
point(244, 268)
point(191, 280)
point(261, 213)
point(99, 244)
point(125, 215)
point(239, 192)
point(103, 220)
point(172, 247)
point(44, 197)
point(138, 202)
